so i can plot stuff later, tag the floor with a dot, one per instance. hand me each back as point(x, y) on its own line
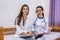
point(51, 36)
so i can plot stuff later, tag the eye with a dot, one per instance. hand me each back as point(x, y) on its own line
point(38, 10)
point(23, 8)
point(26, 8)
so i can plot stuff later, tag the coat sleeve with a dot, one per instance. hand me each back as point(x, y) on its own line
point(18, 30)
point(47, 25)
point(33, 24)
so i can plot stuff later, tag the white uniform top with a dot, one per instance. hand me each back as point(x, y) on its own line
point(41, 25)
point(21, 28)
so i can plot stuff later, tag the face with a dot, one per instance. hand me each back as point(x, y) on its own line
point(39, 11)
point(25, 10)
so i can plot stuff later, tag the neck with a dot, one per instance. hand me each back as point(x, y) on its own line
point(24, 15)
point(40, 16)
point(24, 18)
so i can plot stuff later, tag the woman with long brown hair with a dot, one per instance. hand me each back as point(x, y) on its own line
point(23, 29)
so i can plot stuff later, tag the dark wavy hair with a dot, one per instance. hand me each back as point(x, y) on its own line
point(41, 8)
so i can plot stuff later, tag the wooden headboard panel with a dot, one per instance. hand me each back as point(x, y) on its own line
point(9, 30)
point(13, 30)
point(55, 28)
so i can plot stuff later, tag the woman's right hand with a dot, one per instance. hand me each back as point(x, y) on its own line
point(26, 33)
point(23, 33)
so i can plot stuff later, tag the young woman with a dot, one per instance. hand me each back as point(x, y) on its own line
point(23, 30)
point(40, 23)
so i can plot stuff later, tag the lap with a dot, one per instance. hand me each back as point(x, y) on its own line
point(29, 38)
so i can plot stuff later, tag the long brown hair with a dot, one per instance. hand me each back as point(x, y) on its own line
point(19, 17)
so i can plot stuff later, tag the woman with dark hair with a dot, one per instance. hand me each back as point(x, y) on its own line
point(40, 23)
point(23, 29)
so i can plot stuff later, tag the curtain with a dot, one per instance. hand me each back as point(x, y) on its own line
point(54, 13)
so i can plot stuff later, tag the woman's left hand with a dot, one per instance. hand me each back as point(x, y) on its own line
point(46, 33)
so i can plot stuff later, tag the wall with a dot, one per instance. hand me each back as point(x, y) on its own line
point(9, 9)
